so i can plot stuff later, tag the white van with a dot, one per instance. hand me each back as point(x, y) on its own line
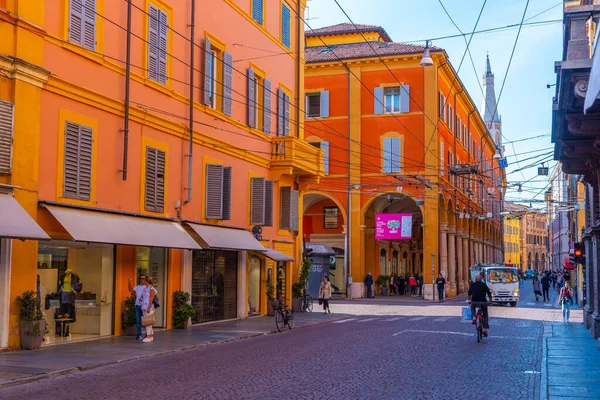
point(503, 282)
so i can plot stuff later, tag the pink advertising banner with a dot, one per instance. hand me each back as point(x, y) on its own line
point(393, 226)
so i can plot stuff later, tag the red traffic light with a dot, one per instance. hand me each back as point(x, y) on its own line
point(577, 252)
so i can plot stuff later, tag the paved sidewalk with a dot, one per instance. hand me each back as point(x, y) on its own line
point(571, 363)
point(18, 367)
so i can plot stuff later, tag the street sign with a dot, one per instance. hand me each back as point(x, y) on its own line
point(543, 171)
point(503, 163)
point(331, 260)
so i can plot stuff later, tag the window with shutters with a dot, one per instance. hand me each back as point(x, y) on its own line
point(77, 179)
point(258, 11)
point(261, 202)
point(317, 104)
point(217, 192)
point(323, 145)
point(213, 72)
point(330, 217)
point(442, 164)
point(256, 98)
point(82, 23)
point(288, 212)
point(391, 155)
point(158, 36)
point(392, 100)
point(154, 193)
point(6, 136)
point(283, 113)
point(286, 25)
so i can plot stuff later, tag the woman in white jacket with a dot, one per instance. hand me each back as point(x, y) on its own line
point(325, 294)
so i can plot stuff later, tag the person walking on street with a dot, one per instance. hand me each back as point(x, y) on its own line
point(420, 285)
point(148, 307)
point(369, 285)
point(139, 291)
point(393, 284)
point(566, 301)
point(441, 282)
point(537, 288)
point(325, 294)
point(545, 287)
point(412, 281)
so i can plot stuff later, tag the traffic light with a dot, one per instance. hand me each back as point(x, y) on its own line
point(577, 253)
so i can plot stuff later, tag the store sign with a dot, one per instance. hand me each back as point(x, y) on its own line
point(393, 226)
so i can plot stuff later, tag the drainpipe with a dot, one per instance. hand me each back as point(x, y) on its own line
point(456, 180)
point(299, 66)
point(469, 261)
point(191, 122)
point(348, 204)
point(127, 81)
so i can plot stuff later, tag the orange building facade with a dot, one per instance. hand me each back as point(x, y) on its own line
point(399, 138)
point(150, 138)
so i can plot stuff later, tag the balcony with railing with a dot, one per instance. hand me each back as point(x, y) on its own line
point(293, 156)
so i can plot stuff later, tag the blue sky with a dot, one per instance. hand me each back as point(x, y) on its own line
point(526, 102)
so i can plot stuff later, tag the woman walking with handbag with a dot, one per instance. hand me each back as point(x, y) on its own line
point(566, 301)
point(325, 294)
point(147, 301)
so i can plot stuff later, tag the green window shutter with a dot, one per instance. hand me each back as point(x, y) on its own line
point(153, 27)
point(268, 203)
point(286, 26)
point(214, 191)
point(257, 11)
point(6, 136)
point(226, 190)
point(257, 201)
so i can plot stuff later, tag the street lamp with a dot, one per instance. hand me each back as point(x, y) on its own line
point(497, 155)
point(426, 61)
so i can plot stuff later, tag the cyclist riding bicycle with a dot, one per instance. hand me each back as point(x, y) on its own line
point(477, 293)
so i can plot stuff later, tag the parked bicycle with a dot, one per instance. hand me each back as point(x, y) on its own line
point(479, 320)
point(283, 315)
point(306, 302)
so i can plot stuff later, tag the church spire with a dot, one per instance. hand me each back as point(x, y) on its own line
point(488, 70)
point(489, 110)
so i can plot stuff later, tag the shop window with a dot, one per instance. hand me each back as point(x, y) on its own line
point(157, 44)
point(78, 161)
point(82, 23)
point(330, 220)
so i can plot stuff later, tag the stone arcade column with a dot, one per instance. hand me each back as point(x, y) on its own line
point(588, 309)
point(443, 250)
point(595, 319)
point(451, 279)
point(459, 248)
point(465, 244)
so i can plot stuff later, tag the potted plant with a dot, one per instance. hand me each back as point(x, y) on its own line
point(382, 281)
point(182, 310)
point(128, 318)
point(270, 297)
point(32, 325)
point(300, 285)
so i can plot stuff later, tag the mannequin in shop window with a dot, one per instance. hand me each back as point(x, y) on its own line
point(70, 285)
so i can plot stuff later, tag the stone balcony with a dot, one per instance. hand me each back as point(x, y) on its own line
point(293, 156)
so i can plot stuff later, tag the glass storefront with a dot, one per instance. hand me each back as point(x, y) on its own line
point(214, 285)
point(151, 262)
point(254, 270)
point(75, 285)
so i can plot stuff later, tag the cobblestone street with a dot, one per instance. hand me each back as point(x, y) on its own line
point(418, 350)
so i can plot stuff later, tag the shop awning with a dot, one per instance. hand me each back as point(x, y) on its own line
point(277, 256)
point(16, 223)
point(216, 237)
point(102, 227)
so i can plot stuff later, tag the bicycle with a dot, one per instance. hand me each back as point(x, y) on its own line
point(283, 315)
point(306, 303)
point(479, 319)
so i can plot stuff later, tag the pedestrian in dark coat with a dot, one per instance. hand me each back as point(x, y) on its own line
point(441, 282)
point(369, 285)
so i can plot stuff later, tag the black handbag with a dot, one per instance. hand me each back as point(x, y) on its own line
point(320, 302)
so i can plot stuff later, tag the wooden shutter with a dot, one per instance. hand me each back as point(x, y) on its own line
point(280, 114)
point(6, 136)
point(267, 106)
point(285, 26)
point(78, 162)
point(257, 11)
point(89, 25)
point(324, 112)
point(325, 147)
point(214, 192)
point(227, 82)
point(226, 189)
point(208, 73)
point(251, 99)
point(387, 155)
point(285, 207)
point(294, 215)
point(268, 203)
point(153, 19)
point(378, 105)
point(85, 162)
point(404, 98)
point(286, 111)
point(442, 165)
point(162, 47)
point(395, 156)
point(257, 201)
point(154, 199)
point(75, 20)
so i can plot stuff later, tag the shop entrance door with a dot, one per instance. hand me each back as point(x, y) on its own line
point(254, 269)
point(152, 262)
point(214, 285)
point(5, 247)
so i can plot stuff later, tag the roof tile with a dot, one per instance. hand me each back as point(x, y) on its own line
point(348, 51)
point(348, 28)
